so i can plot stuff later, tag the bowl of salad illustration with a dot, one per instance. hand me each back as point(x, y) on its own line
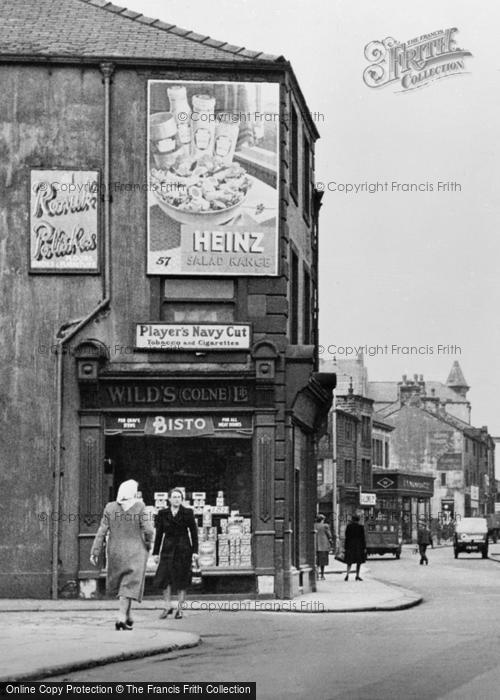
point(206, 190)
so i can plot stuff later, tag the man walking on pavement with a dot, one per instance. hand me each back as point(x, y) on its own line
point(424, 539)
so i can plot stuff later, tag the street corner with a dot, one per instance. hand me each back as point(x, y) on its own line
point(367, 595)
point(75, 647)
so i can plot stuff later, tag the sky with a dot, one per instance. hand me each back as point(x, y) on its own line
point(396, 268)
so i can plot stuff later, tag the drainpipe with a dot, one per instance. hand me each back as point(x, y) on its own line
point(69, 330)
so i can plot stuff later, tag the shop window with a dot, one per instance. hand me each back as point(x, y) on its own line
point(306, 308)
point(181, 288)
point(366, 431)
point(314, 316)
point(387, 504)
point(306, 177)
point(198, 301)
point(294, 153)
point(294, 298)
point(321, 472)
point(299, 534)
point(348, 475)
point(378, 452)
point(448, 509)
point(443, 478)
point(197, 464)
point(366, 473)
point(198, 312)
point(215, 472)
point(348, 430)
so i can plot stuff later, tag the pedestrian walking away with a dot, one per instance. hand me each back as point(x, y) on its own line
point(424, 539)
point(324, 543)
point(176, 546)
point(129, 530)
point(355, 546)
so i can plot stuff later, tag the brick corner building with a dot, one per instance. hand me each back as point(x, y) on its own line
point(159, 295)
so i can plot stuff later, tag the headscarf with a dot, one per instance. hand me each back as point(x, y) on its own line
point(127, 494)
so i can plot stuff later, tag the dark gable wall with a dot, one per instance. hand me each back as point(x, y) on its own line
point(420, 439)
point(50, 118)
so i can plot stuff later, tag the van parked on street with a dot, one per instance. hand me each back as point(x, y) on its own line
point(471, 535)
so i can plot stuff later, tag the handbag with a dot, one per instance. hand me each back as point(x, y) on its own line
point(195, 572)
point(340, 556)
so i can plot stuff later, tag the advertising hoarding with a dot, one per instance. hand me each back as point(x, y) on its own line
point(192, 336)
point(64, 221)
point(212, 178)
point(169, 425)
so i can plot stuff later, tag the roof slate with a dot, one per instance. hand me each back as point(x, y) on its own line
point(380, 419)
point(384, 392)
point(96, 28)
point(388, 392)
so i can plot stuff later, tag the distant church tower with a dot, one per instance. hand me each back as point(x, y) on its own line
point(456, 381)
point(460, 408)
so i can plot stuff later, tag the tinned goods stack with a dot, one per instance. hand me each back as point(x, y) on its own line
point(234, 543)
point(207, 534)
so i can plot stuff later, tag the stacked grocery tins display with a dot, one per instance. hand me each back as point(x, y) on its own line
point(224, 542)
point(235, 542)
point(228, 545)
point(207, 533)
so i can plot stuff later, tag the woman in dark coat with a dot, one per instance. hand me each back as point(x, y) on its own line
point(129, 528)
point(355, 546)
point(177, 543)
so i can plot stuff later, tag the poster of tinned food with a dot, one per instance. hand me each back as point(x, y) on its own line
point(212, 178)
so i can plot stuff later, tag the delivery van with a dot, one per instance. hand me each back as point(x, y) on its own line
point(471, 535)
point(383, 537)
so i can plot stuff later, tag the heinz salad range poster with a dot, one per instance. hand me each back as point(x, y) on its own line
point(213, 178)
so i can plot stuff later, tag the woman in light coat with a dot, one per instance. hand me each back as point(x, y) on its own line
point(130, 534)
point(324, 542)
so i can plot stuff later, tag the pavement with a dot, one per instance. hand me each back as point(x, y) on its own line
point(494, 551)
point(43, 638)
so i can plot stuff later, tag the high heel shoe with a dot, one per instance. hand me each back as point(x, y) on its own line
point(129, 623)
point(120, 626)
point(178, 614)
point(358, 578)
point(165, 613)
point(346, 577)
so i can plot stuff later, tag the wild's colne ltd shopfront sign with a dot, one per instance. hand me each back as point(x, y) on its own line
point(151, 393)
